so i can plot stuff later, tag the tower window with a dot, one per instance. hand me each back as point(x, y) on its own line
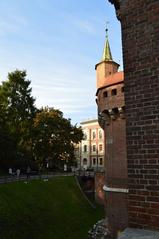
point(122, 89)
point(114, 92)
point(105, 94)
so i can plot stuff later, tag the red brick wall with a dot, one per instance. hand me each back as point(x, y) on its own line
point(99, 183)
point(140, 34)
point(112, 108)
point(109, 102)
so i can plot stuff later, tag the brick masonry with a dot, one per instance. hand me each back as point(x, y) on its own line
point(140, 36)
point(99, 184)
point(111, 107)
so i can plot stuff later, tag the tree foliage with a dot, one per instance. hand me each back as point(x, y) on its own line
point(54, 136)
point(27, 132)
point(17, 112)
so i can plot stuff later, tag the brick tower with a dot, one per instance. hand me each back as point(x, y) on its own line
point(111, 107)
point(140, 36)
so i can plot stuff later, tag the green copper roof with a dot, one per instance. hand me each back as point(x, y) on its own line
point(107, 56)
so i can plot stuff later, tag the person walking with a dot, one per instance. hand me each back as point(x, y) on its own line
point(10, 171)
point(28, 170)
point(18, 173)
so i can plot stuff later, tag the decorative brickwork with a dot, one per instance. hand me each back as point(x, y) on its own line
point(140, 35)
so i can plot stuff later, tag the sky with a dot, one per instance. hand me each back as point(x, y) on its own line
point(58, 43)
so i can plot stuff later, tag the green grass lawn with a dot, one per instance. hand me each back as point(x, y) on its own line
point(45, 210)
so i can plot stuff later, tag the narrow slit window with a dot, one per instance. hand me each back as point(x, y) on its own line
point(105, 94)
point(114, 92)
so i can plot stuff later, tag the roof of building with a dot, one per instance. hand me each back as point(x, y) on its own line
point(107, 55)
point(114, 79)
point(89, 121)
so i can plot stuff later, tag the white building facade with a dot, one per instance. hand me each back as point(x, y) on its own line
point(92, 146)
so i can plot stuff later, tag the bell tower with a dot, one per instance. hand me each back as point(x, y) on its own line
point(106, 67)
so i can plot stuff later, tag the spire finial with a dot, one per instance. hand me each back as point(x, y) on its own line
point(107, 56)
point(106, 29)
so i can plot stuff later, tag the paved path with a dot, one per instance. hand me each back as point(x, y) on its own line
point(132, 233)
point(23, 177)
point(10, 179)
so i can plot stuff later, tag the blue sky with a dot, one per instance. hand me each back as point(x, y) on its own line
point(58, 43)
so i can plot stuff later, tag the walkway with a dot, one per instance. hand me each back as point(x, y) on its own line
point(10, 179)
point(132, 233)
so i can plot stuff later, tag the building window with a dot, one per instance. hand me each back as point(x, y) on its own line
point(85, 148)
point(94, 148)
point(105, 94)
point(84, 161)
point(100, 147)
point(114, 92)
point(93, 135)
point(122, 89)
point(100, 134)
point(100, 161)
point(94, 161)
point(85, 136)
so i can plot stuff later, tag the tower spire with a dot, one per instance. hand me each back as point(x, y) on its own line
point(107, 56)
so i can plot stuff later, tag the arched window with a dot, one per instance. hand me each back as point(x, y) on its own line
point(85, 161)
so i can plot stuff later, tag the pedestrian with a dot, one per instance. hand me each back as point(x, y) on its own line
point(18, 173)
point(28, 170)
point(10, 171)
point(65, 168)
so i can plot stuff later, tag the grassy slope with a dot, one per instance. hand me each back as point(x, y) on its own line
point(45, 210)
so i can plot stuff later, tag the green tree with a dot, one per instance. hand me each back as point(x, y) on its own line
point(17, 111)
point(54, 136)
